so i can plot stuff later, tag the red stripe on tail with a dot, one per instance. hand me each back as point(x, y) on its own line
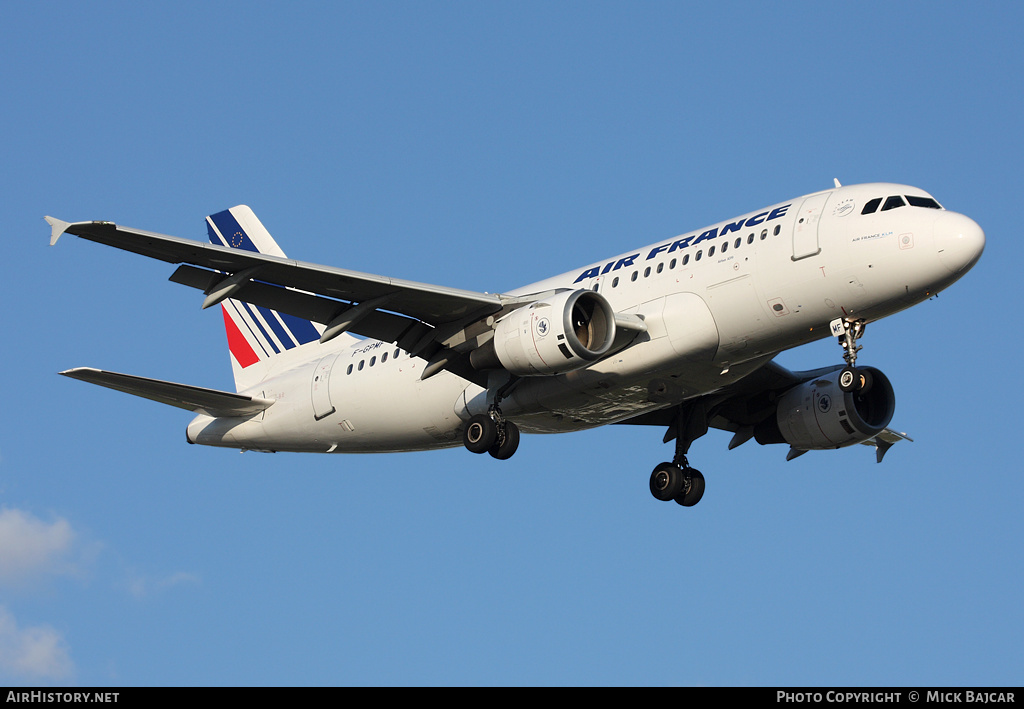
point(239, 346)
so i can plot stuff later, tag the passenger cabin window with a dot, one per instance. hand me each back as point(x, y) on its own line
point(893, 202)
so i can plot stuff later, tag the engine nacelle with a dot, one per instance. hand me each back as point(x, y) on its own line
point(567, 331)
point(818, 415)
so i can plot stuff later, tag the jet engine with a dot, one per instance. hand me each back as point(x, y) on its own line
point(818, 415)
point(566, 331)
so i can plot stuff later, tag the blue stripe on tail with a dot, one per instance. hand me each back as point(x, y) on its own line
point(289, 329)
point(231, 230)
point(303, 330)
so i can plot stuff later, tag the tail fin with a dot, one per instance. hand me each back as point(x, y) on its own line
point(256, 335)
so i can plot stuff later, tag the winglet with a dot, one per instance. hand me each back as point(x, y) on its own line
point(57, 227)
point(886, 440)
point(880, 448)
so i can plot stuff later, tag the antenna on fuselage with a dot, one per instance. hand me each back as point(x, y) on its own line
point(836, 180)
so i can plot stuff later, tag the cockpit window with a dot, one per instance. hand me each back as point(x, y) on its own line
point(923, 202)
point(897, 201)
point(893, 202)
point(871, 206)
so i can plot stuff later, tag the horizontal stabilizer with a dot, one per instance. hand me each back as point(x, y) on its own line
point(197, 399)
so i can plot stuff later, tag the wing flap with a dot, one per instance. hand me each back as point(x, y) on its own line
point(184, 396)
point(377, 324)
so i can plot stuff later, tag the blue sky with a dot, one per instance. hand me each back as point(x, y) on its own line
point(485, 146)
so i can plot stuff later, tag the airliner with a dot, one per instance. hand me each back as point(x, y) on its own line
point(681, 334)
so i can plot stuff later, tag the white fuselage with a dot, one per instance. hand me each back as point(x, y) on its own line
point(717, 302)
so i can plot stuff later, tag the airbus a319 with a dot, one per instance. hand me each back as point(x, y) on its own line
point(681, 333)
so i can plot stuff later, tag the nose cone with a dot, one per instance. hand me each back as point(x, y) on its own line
point(959, 241)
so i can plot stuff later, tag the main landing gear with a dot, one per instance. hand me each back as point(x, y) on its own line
point(851, 379)
point(491, 433)
point(677, 480)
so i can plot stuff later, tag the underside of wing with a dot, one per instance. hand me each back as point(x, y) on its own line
point(806, 410)
point(743, 403)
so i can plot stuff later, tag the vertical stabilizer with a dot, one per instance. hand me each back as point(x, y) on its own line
point(258, 338)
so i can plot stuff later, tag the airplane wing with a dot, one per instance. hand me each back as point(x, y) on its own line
point(191, 398)
point(422, 319)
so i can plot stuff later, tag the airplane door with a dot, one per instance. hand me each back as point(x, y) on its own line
point(321, 390)
point(805, 228)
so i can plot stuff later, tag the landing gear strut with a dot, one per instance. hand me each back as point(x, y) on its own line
point(849, 331)
point(677, 480)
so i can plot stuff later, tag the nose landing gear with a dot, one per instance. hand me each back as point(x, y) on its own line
point(851, 379)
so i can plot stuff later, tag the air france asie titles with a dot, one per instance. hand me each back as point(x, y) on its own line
point(331, 360)
point(714, 232)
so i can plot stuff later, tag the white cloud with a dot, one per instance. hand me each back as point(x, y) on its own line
point(31, 550)
point(30, 547)
point(35, 653)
